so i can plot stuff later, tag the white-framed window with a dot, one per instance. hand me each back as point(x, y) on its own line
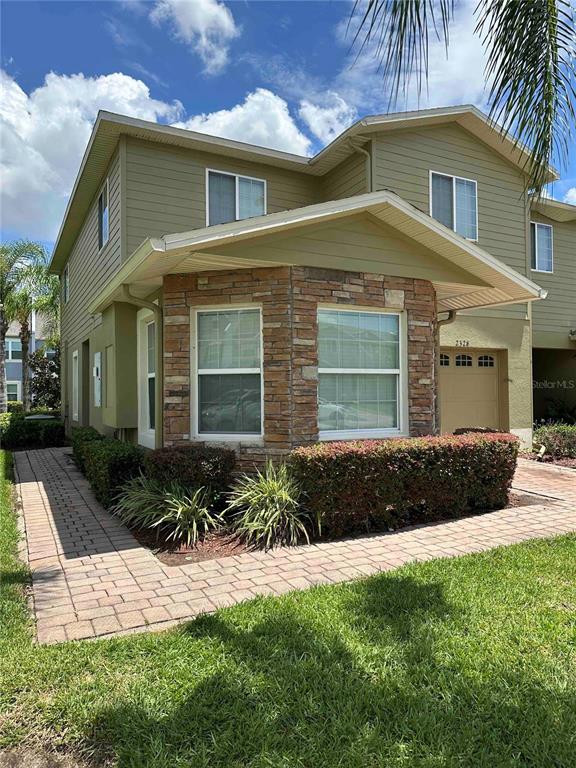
point(231, 197)
point(227, 350)
point(104, 215)
point(75, 409)
point(361, 373)
point(13, 391)
point(13, 348)
point(542, 249)
point(49, 353)
point(151, 374)
point(65, 285)
point(454, 203)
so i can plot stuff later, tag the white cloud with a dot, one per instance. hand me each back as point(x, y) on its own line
point(44, 135)
point(207, 26)
point(329, 118)
point(570, 196)
point(263, 118)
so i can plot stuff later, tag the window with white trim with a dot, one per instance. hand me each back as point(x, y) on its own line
point(229, 372)
point(359, 372)
point(453, 202)
point(75, 409)
point(104, 215)
point(13, 391)
point(151, 374)
point(231, 197)
point(65, 285)
point(541, 247)
point(13, 350)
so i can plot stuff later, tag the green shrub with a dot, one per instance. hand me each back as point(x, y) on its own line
point(266, 509)
point(176, 514)
point(80, 437)
point(15, 406)
point(108, 465)
point(558, 439)
point(193, 466)
point(16, 431)
point(388, 483)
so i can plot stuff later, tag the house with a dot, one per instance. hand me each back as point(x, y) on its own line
point(13, 362)
point(393, 284)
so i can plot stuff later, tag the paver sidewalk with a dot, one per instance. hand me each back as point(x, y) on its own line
point(92, 578)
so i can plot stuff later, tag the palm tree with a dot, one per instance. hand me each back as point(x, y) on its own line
point(530, 70)
point(30, 289)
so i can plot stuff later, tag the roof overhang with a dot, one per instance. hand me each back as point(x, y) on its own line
point(492, 282)
point(109, 127)
point(554, 209)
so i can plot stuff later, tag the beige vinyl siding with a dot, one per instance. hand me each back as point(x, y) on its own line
point(556, 315)
point(166, 188)
point(358, 244)
point(346, 180)
point(402, 161)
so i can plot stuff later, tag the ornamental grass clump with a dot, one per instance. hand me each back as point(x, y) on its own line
point(177, 514)
point(266, 509)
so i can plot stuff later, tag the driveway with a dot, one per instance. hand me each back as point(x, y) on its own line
point(92, 578)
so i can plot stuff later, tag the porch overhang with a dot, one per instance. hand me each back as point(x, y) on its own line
point(491, 282)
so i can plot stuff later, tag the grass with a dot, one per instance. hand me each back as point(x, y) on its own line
point(464, 662)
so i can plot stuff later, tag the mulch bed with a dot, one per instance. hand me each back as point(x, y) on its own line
point(570, 463)
point(222, 544)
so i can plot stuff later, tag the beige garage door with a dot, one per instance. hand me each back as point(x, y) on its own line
point(469, 389)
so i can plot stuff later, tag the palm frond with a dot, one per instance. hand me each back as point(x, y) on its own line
point(531, 49)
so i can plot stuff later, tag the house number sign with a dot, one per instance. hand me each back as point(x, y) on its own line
point(462, 343)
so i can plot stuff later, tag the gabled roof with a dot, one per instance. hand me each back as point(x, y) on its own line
point(554, 209)
point(493, 282)
point(109, 127)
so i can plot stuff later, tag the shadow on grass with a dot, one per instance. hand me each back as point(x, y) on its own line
point(360, 685)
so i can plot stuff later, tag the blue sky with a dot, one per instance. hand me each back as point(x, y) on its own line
point(280, 74)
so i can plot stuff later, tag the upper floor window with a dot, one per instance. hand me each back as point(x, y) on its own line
point(541, 242)
point(65, 285)
point(104, 215)
point(13, 391)
point(13, 349)
point(231, 197)
point(453, 202)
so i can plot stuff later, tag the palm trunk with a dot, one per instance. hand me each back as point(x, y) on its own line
point(3, 331)
point(25, 339)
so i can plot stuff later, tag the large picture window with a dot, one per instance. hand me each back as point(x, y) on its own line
point(229, 372)
point(541, 246)
point(453, 202)
point(231, 197)
point(359, 367)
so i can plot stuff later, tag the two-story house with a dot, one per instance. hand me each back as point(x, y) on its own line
point(13, 361)
point(390, 285)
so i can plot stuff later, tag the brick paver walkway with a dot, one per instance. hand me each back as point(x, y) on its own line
point(91, 577)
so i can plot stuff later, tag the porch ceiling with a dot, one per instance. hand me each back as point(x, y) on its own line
point(486, 280)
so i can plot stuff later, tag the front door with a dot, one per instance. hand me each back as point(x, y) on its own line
point(469, 384)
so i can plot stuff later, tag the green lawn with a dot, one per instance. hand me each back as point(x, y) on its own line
point(467, 662)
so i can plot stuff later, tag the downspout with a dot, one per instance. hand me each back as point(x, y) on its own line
point(128, 298)
point(356, 148)
point(439, 323)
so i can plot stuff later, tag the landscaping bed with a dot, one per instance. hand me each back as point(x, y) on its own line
point(188, 503)
point(554, 444)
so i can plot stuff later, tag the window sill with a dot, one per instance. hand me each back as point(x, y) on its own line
point(360, 434)
point(247, 439)
point(543, 271)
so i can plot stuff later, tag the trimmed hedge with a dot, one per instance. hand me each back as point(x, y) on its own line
point(354, 486)
point(15, 406)
point(80, 437)
point(108, 465)
point(558, 439)
point(18, 432)
point(193, 466)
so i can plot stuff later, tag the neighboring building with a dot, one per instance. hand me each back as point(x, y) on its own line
point(14, 355)
point(219, 291)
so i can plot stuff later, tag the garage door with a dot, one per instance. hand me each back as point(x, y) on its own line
point(469, 389)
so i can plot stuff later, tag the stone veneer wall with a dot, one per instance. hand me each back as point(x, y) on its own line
point(289, 297)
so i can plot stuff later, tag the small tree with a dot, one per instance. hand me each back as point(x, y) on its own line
point(45, 381)
point(12, 260)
